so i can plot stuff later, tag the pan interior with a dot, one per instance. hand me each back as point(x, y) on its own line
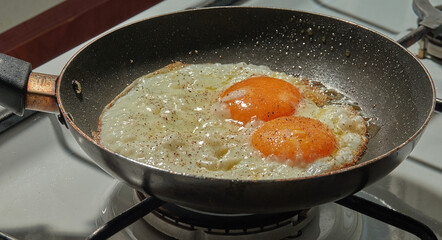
point(391, 87)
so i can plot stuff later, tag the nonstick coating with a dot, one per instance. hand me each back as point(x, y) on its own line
point(390, 85)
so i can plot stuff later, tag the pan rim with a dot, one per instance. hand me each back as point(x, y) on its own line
point(71, 123)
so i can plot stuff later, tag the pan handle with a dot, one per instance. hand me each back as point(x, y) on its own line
point(22, 89)
point(14, 74)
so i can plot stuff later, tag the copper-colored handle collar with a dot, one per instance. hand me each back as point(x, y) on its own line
point(41, 93)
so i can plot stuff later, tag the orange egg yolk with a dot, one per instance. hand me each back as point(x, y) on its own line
point(261, 97)
point(300, 140)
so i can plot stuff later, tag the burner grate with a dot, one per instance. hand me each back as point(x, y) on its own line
point(183, 223)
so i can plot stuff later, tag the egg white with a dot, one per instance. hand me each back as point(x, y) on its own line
point(171, 119)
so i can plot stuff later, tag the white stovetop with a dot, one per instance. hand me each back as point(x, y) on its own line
point(40, 161)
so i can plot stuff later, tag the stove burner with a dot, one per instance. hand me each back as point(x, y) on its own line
point(184, 223)
point(431, 44)
point(171, 222)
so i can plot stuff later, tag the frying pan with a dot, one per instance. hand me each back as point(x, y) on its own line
point(391, 86)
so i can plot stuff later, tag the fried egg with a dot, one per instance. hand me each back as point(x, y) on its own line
point(233, 121)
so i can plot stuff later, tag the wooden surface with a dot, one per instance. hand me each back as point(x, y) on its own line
point(65, 26)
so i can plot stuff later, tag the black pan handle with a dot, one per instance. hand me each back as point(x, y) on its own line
point(14, 75)
point(22, 89)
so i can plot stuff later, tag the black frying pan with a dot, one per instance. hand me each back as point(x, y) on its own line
point(388, 82)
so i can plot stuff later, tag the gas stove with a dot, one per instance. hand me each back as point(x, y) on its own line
point(50, 189)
